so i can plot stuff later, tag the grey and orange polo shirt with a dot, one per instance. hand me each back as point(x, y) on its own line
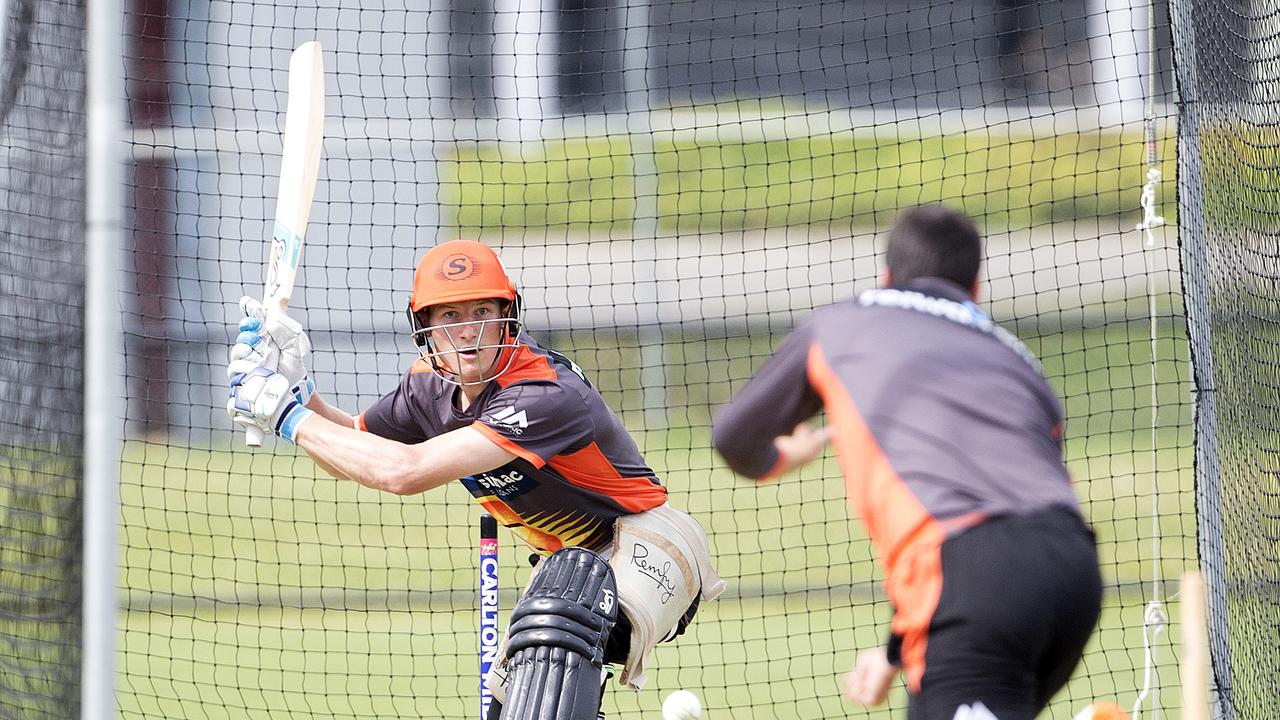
point(941, 419)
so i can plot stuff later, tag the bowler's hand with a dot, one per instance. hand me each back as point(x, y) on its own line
point(804, 443)
point(869, 680)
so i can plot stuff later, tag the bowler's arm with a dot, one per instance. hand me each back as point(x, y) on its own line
point(759, 431)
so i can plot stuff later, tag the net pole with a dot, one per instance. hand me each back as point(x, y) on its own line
point(1116, 30)
point(103, 432)
point(488, 629)
point(644, 227)
point(4, 33)
point(523, 67)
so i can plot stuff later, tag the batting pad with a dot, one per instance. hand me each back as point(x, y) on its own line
point(557, 638)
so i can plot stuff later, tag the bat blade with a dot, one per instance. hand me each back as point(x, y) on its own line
point(299, 168)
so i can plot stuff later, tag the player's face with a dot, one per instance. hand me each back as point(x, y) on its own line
point(468, 335)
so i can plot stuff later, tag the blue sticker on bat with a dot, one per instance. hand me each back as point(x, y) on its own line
point(292, 244)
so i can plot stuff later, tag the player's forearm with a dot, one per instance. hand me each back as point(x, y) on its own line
point(372, 461)
point(330, 412)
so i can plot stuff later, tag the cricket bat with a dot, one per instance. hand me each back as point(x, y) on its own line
point(299, 166)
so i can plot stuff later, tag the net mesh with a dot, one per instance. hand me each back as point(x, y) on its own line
point(42, 163)
point(1229, 132)
point(674, 184)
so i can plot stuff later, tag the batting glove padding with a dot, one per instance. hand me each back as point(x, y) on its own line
point(264, 399)
point(273, 340)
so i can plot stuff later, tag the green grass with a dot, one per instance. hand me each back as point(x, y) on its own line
point(758, 657)
point(261, 589)
point(711, 185)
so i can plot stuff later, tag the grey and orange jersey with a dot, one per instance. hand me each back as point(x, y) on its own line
point(931, 402)
point(942, 420)
point(576, 469)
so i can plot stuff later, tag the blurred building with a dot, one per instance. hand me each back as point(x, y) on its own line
point(833, 53)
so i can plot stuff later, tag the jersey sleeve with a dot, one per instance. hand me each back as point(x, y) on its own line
point(392, 417)
point(772, 403)
point(536, 421)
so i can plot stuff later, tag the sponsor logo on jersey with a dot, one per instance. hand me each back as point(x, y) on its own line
point(515, 422)
point(966, 313)
point(503, 483)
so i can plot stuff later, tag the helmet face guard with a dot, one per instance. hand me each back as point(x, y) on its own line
point(445, 361)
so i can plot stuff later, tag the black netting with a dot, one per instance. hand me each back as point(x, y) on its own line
point(674, 183)
point(42, 226)
point(1229, 190)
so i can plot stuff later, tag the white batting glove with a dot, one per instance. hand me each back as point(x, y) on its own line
point(264, 399)
point(272, 340)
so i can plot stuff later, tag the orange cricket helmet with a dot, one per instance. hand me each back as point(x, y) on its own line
point(458, 271)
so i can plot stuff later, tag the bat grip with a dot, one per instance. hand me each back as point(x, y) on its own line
point(253, 437)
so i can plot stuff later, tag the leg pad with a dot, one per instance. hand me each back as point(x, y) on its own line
point(556, 643)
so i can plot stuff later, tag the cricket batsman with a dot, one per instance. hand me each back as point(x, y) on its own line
point(522, 428)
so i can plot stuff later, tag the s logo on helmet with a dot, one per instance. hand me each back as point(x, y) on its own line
point(457, 267)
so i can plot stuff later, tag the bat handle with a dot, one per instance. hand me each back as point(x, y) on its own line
point(253, 437)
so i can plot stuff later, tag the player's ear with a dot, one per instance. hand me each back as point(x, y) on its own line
point(886, 278)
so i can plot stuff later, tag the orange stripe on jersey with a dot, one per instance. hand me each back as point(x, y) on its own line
point(906, 536)
point(528, 365)
point(589, 468)
point(507, 445)
point(360, 423)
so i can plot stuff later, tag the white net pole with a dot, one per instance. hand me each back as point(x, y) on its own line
point(104, 378)
point(4, 34)
point(1117, 35)
point(523, 67)
point(644, 229)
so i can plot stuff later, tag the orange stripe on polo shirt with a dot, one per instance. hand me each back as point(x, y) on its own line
point(908, 539)
point(589, 468)
point(508, 445)
point(527, 365)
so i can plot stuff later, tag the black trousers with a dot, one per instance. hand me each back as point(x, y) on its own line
point(1020, 598)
